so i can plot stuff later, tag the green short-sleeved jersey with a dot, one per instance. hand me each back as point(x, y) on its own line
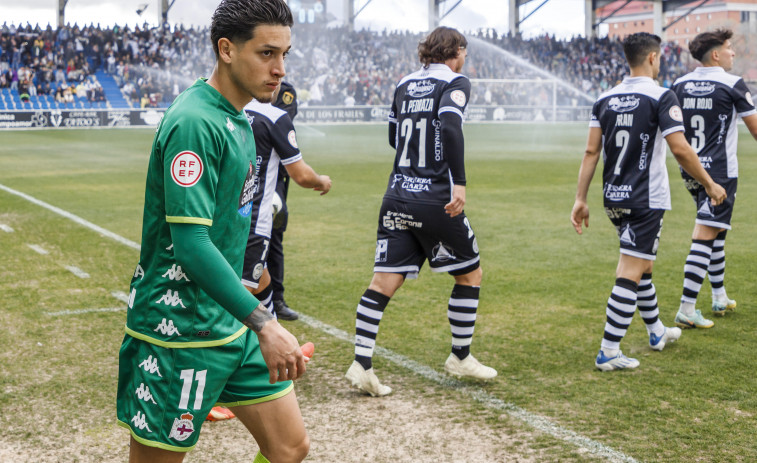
point(200, 172)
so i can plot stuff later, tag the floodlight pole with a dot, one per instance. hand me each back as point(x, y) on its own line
point(164, 7)
point(62, 13)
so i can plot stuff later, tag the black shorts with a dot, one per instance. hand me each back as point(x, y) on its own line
point(638, 230)
point(410, 233)
point(713, 216)
point(255, 256)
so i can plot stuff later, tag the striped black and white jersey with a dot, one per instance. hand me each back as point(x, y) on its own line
point(421, 172)
point(275, 144)
point(635, 117)
point(711, 100)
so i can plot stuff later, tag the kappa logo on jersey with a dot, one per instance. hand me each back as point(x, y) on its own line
point(699, 88)
point(420, 88)
point(171, 298)
point(382, 246)
point(167, 328)
point(230, 125)
point(441, 253)
point(186, 169)
point(175, 273)
point(143, 393)
point(140, 422)
point(150, 364)
point(292, 137)
point(250, 117)
point(182, 428)
point(248, 191)
point(676, 114)
point(705, 210)
point(458, 96)
point(627, 236)
point(621, 104)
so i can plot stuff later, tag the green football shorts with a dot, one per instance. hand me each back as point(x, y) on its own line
point(165, 394)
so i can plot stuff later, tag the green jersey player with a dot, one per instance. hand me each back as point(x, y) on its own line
point(194, 336)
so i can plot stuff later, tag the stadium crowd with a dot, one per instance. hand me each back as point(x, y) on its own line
point(328, 66)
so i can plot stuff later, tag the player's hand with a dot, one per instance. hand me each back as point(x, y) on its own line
point(716, 193)
point(579, 216)
point(325, 185)
point(281, 352)
point(455, 207)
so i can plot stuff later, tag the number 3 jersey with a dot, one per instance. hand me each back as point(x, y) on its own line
point(635, 117)
point(711, 100)
point(421, 171)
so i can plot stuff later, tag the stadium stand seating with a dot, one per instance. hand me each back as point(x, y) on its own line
point(147, 67)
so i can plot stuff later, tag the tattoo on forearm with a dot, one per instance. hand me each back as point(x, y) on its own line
point(258, 318)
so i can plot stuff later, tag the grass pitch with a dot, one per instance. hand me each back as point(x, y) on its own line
point(541, 315)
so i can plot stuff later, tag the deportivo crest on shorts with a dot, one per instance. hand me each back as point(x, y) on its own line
point(292, 137)
point(257, 272)
point(186, 169)
point(458, 96)
point(182, 428)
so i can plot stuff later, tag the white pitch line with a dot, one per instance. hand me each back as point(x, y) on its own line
point(6, 228)
point(77, 271)
point(117, 294)
point(539, 422)
point(38, 249)
point(81, 311)
point(72, 217)
point(489, 401)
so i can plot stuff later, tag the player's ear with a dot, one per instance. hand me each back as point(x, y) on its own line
point(225, 49)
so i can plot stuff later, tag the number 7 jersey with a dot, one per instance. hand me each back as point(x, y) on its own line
point(421, 171)
point(635, 117)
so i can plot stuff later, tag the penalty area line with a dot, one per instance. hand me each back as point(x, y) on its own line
point(536, 421)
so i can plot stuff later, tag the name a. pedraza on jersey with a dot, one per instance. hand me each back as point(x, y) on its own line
point(417, 106)
point(624, 120)
point(697, 103)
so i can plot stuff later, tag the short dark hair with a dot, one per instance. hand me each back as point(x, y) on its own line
point(703, 43)
point(638, 46)
point(441, 44)
point(236, 20)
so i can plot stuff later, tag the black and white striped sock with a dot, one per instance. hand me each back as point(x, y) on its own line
point(646, 301)
point(716, 269)
point(620, 309)
point(370, 310)
point(461, 312)
point(694, 272)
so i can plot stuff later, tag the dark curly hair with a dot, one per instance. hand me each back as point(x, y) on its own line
point(703, 43)
point(236, 20)
point(441, 44)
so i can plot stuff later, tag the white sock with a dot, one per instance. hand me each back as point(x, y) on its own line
point(687, 308)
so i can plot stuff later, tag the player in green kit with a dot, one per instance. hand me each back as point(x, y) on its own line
point(195, 337)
